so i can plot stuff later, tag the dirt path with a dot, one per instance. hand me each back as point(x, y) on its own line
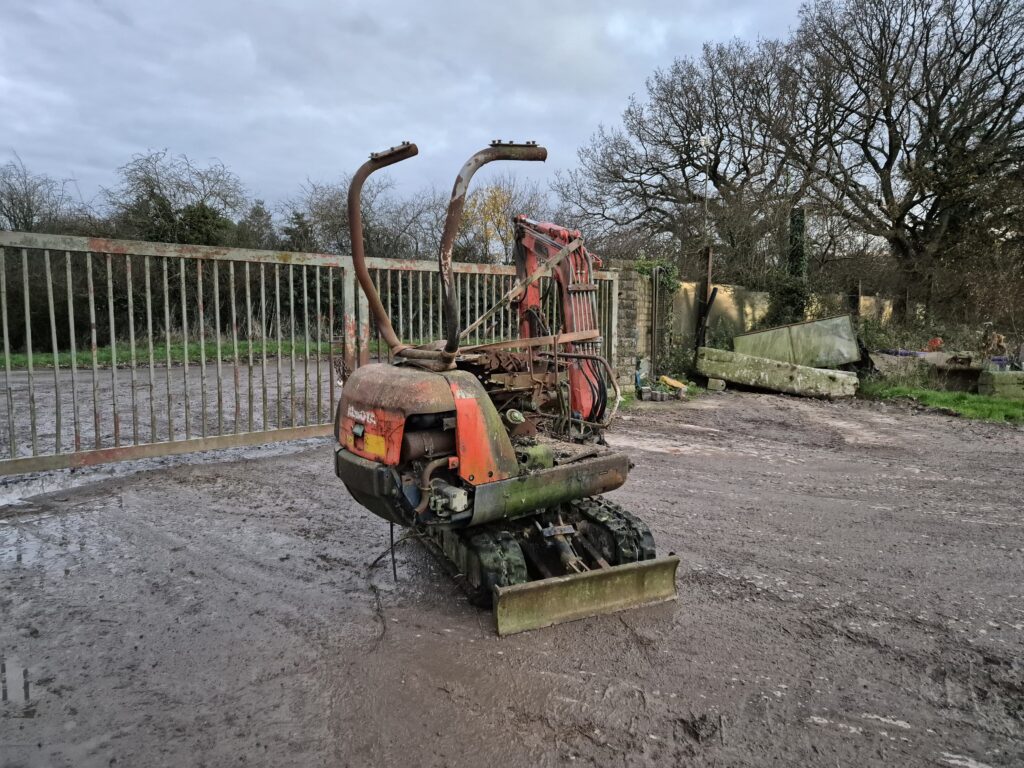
point(852, 594)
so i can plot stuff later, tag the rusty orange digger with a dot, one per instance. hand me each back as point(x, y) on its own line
point(494, 453)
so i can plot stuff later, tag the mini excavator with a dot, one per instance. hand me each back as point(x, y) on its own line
point(494, 454)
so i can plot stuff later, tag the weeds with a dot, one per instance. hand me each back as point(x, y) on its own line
point(972, 406)
point(105, 354)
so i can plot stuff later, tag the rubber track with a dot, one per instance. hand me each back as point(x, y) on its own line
point(632, 536)
point(501, 560)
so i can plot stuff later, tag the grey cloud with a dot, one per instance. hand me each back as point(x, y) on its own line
point(285, 91)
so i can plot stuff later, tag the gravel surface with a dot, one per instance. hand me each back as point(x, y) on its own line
point(852, 593)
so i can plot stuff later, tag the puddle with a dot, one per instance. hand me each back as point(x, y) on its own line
point(40, 542)
point(18, 487)
point(15, 682)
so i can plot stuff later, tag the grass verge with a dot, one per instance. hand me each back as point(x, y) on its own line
point(105, 355)
point(967, 404)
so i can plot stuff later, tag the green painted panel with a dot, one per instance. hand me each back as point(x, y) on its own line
point(826, 343)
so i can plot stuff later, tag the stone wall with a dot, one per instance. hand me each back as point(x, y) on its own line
point(736, 310)
point(634, 321)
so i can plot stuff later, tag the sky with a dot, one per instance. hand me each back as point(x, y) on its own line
point(282, 92)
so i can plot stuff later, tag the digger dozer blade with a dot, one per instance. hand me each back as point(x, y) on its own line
point(542, 603)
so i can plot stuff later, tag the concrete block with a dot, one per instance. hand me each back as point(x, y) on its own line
point(1008, 384)
point(716, 385)
point(826, 343)
point(775, 375)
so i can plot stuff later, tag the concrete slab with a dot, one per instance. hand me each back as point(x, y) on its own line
point(1008, 384)
point(775, 375)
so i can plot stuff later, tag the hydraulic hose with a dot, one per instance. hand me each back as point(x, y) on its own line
point(425, 491)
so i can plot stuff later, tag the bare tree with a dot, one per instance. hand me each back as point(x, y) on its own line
point(393, 226)
point(33, 202)
point(923, 101)
point(488, 231)
point(170, 198)
point(698, 143)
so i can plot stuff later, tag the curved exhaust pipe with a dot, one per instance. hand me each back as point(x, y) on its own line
point(456, 206)
point(377, 160)
point(441, 358)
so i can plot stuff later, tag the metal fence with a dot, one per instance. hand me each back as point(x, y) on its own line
point(116, 349)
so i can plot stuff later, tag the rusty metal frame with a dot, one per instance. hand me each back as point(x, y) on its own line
point(172, 297)
point(93, 457)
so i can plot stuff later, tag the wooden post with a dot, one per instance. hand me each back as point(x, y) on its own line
point(704, 303)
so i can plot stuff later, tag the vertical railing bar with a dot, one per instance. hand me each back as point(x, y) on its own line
point(463, 304)
point(602, 310)
point(430, 307)
point(607, 315)
point(149, 344)
point(234, 349)
point(217, 347)
point(74, 352)
point(252, 361)
point(167, 349)
point(376, 281)
point(277, 312)
point(607, 312)
point(510, 316)
point(305, 339)
point(476, 314)
point(377, 334)
point(291, 333)
point(92, 346)
point(387, 278)
point(184, 346)
point(376, 328)
point(401, 309)
point(263, 344)
point(28, 350)
point(319, 324)
point(56, 355)
point(346, 299)
point(347, 339)
point(6, 351)
point(201, 308)
point(409, 300)
point(477, 290)
point(493, 280)
point(419, 291)
point(460, 298)
point(330, 342)
point(467, 299)
point(131, 345)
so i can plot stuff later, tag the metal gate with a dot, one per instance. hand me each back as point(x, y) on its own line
point(117, 349)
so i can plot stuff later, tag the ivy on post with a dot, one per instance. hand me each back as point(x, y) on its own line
point(789, 293)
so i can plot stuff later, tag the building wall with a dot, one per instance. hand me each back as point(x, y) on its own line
point(736, 310)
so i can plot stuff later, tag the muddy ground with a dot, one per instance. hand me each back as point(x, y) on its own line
point(852, 593)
